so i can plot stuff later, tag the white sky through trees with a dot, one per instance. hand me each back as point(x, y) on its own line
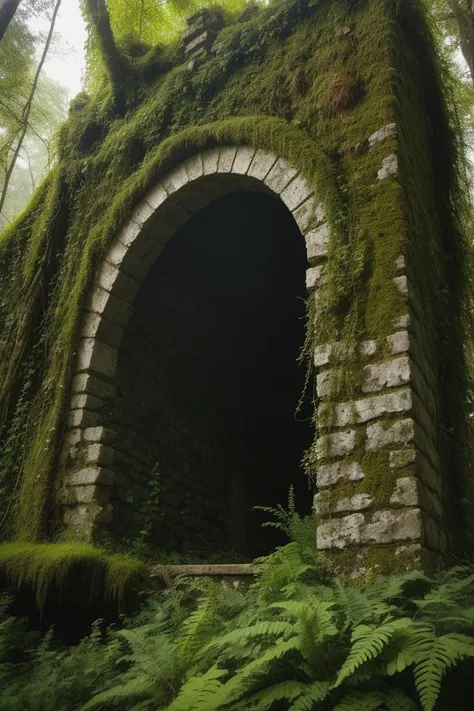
point(66, 60)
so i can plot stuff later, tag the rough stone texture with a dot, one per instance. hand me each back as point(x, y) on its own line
point(317, 241)
point(96, 356)
point(308, 216)
point(100, 434)
point(82, 419)
point(95, 326)
point(406, 492)
point(399, 342)
point(389, 167)
point(297, 192)
point(210, 161)
point(322, 354)
point(314, 278)
point(383, 435)
point(402, 284)
point(91, 475)
point(262, 163)
point(87, 383)
point(337, 444)
point(242, 160)
point(329, 474)
point(127, 261)
point(348, 413)
point(400, 263)
point(109, 306)
point(403, 321)
point(175, 179)
point(279, 176)
point(368, 348)
point(402, 457)
point(100, 454)
point(389, 374)
point(86, 401)
point(226, 159)
point(383, 527)
point(324, 503)
point(386, 132)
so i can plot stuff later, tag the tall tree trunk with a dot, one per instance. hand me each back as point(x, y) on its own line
point(464, 17)
point(7, 11)
point(116, 64)
point(27, 108)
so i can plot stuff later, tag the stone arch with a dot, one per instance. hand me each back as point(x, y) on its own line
point(88, 452)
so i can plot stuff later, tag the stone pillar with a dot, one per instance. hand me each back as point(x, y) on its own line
point(379, 500)
point(200, 33)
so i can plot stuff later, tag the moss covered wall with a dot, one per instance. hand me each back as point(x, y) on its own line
point(310, 82)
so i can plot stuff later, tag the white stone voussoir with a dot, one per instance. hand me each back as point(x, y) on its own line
point(95, 326)
point(296, 193)
point(309, 215)
point(317, 241)
point(109, 306)
point(226, 159)
point(262, 162)
point(279, 176)
point(242, 159)
point(97, 356)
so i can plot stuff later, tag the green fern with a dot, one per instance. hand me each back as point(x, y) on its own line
point(398, 701)
point(433, 656)
point(266, 629)
point(264, 699)
point(362, 701)
point(368, 642)
point(314, 693)
point(198, 693)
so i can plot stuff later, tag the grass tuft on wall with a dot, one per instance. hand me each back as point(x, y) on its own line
point(44, 566)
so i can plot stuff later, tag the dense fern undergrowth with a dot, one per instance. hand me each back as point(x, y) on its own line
point(297, 639)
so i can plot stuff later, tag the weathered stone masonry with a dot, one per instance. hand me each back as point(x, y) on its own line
point(95, 449)
point(378, 479)
point(390, 424)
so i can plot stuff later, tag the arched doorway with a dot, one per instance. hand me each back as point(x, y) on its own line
point(214, 258)
point(208, 382)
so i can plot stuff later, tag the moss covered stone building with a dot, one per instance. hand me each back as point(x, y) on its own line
point(246, 273)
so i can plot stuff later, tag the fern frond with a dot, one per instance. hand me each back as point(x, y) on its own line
point(368, 643)
point(137, 688)
point(199, 693)
point(398, 701)
point(362, 701)
point(265, 698)
point(433, 657)
point(314, 693)
point(264, 629)
point(244, 680)
point(355, 604)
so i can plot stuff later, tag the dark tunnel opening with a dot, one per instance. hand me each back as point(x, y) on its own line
point(209, 382)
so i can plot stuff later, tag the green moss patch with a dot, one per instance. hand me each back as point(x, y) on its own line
point(43, 566)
